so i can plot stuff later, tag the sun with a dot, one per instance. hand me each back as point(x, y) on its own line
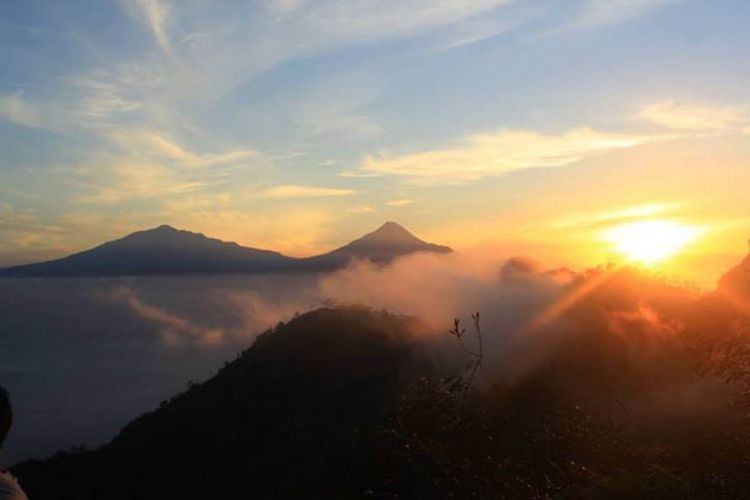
point(651, 241)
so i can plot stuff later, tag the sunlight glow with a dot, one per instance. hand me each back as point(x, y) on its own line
point(651, 241)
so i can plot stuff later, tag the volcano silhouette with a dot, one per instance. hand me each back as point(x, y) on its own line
point(165, 250)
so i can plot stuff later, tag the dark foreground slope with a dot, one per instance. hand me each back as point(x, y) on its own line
point(348, 403)
point(293, 416)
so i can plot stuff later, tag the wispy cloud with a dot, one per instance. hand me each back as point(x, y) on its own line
point(594, 14)
point(15, 109)
point(140, 164)
point(475, 29)
point(24, 234)
point(175, 330)
point(154, 13)
point(400, 203)
point(88, 102)
point(156, 145)
point(104, 93)
point(698, 117)
point(358, 174)
point(13, 219)
point(256, 36)
point(588, 220)
point(362, 209)
point(500, 153)
point(363, 19)
point(126, 181)
point(297, 191)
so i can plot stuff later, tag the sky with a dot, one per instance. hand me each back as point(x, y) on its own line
point(520, 126)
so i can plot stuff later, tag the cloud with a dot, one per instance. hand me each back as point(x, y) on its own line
point(123, 181)
point(251, 37)
point(90, 102)
point(219, 314)
point(593, 14)
point(104, 94)
point(627, 327)
point(358, 174)
point(484, 27)
point(154, 14)
point(215, 51)
point(362, 209)
point(695, 117)
point(174, 330)
point(500, 153)
point(620, 343)
point(153, 144)
point(11, 219)
point(297, 191)
point(362, 19)
point(400, 203)
point(145, 164)
point(616, 216)
point(24, 231)
point(15, 109)
point(24, 236)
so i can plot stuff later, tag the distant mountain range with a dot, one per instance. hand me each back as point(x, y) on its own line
point(168, 251)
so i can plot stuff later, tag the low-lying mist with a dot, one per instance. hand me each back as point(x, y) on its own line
point(623, 341)
point(83, 356)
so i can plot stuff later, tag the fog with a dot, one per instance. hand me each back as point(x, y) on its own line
point(82, 357)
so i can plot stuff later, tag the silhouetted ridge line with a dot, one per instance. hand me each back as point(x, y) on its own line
point(291, 417)
point(165, 250)
point(389, 241)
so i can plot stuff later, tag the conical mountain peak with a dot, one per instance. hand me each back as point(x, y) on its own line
point(392, 226)
point(391, 232)
point(389, 241)
point(164, 228)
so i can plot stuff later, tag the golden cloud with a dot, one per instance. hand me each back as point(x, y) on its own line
point(500, 153)
point(297, 191)
point(694, 117)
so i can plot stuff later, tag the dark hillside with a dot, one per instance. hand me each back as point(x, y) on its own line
point(291, 415)
point(349, 403)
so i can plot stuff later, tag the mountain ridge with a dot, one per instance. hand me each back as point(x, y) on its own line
point(166, 250)
point(382, 245)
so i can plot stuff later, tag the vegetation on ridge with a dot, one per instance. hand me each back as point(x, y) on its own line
point(348, 402)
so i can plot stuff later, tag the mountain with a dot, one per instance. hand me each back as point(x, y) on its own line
point(384, 244)
point(353, 403)
point(168, 251)
point(292, 417)
point(162, 250)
